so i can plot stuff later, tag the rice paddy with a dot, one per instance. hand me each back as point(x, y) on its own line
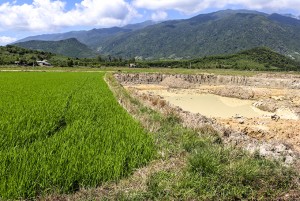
point(63, 131)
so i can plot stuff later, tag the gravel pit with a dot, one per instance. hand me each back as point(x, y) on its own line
point(251, 111)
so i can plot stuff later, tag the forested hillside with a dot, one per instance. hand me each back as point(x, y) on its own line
point(69, 47)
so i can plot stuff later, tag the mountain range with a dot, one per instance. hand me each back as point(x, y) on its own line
point(222, 32)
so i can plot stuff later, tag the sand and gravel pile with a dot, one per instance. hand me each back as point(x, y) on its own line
point(235, 92)
point(173, 82)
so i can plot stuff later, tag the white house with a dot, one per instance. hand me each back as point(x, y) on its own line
point(43, 63)
point(132, 65)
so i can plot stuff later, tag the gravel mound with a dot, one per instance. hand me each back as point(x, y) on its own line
point(174, 82)
point(236, 92)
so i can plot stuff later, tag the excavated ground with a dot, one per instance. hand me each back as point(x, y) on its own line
point(275, 130)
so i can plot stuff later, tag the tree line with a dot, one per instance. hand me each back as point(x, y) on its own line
point(254, 59)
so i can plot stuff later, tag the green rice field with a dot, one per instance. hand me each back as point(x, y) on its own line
point(63, 131)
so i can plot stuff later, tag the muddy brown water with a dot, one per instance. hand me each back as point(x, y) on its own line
point(214, 106)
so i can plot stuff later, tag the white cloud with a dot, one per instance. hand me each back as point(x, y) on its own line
point(4, 40)
point(159, 16)
point(47, 15)
point(194, 6)
point(51, 15)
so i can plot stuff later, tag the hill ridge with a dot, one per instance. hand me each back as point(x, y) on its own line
point(70, 47)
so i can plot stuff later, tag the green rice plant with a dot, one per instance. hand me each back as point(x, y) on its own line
point(63, 131)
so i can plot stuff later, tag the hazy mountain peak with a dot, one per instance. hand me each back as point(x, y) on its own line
point(140, 25)
point(229, 12)
point(284, 19)
point(292, 16)
point(224, 14)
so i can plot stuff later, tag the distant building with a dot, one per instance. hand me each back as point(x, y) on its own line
point(19, 63)
point(132, 65)
point(43, 63)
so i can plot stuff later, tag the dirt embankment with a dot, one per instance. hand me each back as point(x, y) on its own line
point(210, 79)
point(277, 138)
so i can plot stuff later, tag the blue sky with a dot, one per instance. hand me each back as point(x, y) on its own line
point(22, 18)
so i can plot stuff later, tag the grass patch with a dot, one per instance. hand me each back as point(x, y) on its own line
point(217, 173)
point(223, 173)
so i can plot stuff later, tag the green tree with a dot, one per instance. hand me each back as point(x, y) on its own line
point(99, 59)
point(70, 63)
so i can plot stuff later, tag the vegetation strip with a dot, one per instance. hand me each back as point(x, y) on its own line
point(259, 59)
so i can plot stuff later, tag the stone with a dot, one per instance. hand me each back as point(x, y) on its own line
point(289, 160)
point(280, 148)
point(275, 117)
point(265, 150)
point(241, 121)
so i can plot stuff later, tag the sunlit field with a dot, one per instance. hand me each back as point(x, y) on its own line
point(63, 131)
